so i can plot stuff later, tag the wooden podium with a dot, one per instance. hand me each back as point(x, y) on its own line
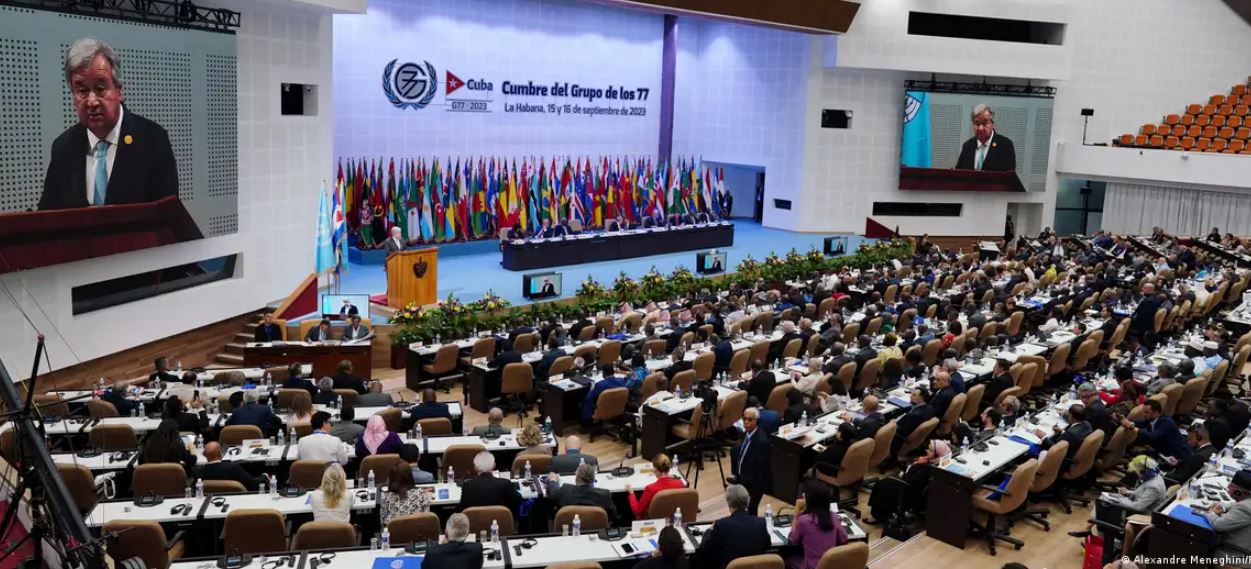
point(413, 276)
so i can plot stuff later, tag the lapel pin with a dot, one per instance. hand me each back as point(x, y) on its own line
point(992, 145)
point(128, 139)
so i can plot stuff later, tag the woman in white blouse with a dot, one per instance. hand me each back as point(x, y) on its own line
point(332, 501)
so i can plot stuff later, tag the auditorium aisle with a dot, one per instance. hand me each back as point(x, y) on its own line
point(1043, 550)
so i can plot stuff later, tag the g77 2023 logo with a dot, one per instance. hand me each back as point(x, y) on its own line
point(412, 85)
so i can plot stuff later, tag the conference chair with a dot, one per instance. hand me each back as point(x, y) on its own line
point(114, 437)
point(234, 435)
point(702, 365)
point(651, 384)
point(814, 345)
point(144, 539)
point(1110, 456)
point(81, 485)
point(1085, 351)
point(881, 444)
point(1222, 371)
point(482, 348)
point(233, 377)
point(1014, 323)
point(306, 474)
point(929, 354)
point(380, 465)
point(825, 307)
point(972, 402)
point(278, 375)
point(303, 429)
point(765, 320)
point(610, 407)
point(1191, 394)
point(631, 323)
point(739, 363)
point(1046, 476)
point(792, 348)
point(526, 342)
point(777, 397)
point(539, 464)
point(854, 555)
point(868, 374)
point(324, 534)
point(224, 404)
point(435, 426)
point(730, 410)
point(1172, 392)
point(100, 409)
point(605, 324)
point(414, 527)
point(348, 397)
point(586, 352)
point(850, 332)
point(480, 518)
point(252, 531)
point(460, 458)
point(1077, 469)
point(874, 326)
point(666, 502)
point(1008, 500)
point(50, 404)
point(654, 348)
point(391, 416)
point(287, 396)
point(1059, 361)
point(160, 478)
point(848, 474)
point(586, 334)
point(917, 437)
point(760, 351)
point(764, 561)
point(683, 380)
point(593, 518)
point(516, 383)
point(686, 340)
point(847, 375)
point(559, 367)
point(223, 487)
point(891, 291)
point(609, 352)
point(952, 416)
point(445, 366)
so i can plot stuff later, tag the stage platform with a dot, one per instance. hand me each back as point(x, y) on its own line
point(468, 270)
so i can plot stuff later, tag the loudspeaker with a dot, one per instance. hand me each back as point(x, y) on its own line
point(835, 118)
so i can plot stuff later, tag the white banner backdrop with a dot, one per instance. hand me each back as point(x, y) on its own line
point(1136, 208)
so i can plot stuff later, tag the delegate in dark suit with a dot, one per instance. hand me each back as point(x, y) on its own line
point(1000, 157)
point(740, 534)
point(345, 380)
point(1191, 465)
point(576, 495)
point(256, 414)
point(487, 490)
point(751, 465)
point(144, 170)
point(1163, 436)
point(459, 554)
point(124, 406)
point(229, 471)
point(1074, 435)
point(568, 462)
point(761, 386)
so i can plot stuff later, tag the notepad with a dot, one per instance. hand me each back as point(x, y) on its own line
point(1184, 513)
point(407, 562)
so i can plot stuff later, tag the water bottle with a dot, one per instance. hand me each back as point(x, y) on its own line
point(451, 474)
point(417, 434)
point(803, 419)
point(577, 526)
point(438, 339)
point(370, 480)
point(273, 484)
point(268, 379)
point(547, 424)
point(769, 515)
point(179, 366)
point(386, 538)
point(581, 461)
point(495, 530)
point(101, 384)
point(189, 491)
point(527, 470)
point(282, 437)
point(373, 543)
point(199, 488)
point(134, 411)
point(196, 443)
point(677, 518)
point(675, 464)
point(294, 437)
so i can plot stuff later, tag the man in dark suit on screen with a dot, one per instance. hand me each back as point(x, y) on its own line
point(549, 289)
point(987, 150)
point(112, 156)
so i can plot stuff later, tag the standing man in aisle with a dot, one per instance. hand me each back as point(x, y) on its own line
point(750, 460)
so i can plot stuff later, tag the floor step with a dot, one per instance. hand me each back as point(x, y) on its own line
point(229, 360)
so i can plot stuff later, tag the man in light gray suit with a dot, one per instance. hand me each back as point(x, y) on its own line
point(494, 426)
point(1234, 525)
point(375, 397)
point(568, 462)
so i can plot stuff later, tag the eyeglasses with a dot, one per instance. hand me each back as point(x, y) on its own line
point(81, 93)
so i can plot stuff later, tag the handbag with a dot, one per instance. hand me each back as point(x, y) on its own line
point(1094, 552)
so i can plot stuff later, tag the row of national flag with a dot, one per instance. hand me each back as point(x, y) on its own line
point(436, 201)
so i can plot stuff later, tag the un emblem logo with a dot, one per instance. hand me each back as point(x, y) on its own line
point(420, 268)
point(412, 85)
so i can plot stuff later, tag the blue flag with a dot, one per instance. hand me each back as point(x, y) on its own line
point(325, 249)
point(916, 130)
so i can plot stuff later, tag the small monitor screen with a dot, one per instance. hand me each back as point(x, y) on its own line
point(835, 246)
point(344, 305)
point(707, 263)
point(541, 285)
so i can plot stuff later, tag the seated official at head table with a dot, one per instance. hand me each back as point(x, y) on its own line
point(320, 333)
point(355, 330)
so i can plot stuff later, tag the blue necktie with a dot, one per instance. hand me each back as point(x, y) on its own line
point(981, 156)
point(102, 172)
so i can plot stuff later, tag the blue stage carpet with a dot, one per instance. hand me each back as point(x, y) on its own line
point(469, 275)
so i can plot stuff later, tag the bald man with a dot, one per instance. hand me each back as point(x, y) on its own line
point(215, 469)
point(873, 419)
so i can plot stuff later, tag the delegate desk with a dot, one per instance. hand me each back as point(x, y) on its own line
point(520, 255)
point(1236, 257)
point(324, 357)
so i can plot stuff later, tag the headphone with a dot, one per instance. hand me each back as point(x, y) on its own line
point(280, 561)
point(322, 559)
point(180, 509)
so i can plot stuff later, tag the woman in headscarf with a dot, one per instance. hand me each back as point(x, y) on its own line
point(377, 439)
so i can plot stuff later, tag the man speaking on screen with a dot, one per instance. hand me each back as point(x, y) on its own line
point(987, 150)
point(112, 156)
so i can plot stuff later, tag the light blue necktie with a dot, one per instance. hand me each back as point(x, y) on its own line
point(102, 172)
point(981, 156)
